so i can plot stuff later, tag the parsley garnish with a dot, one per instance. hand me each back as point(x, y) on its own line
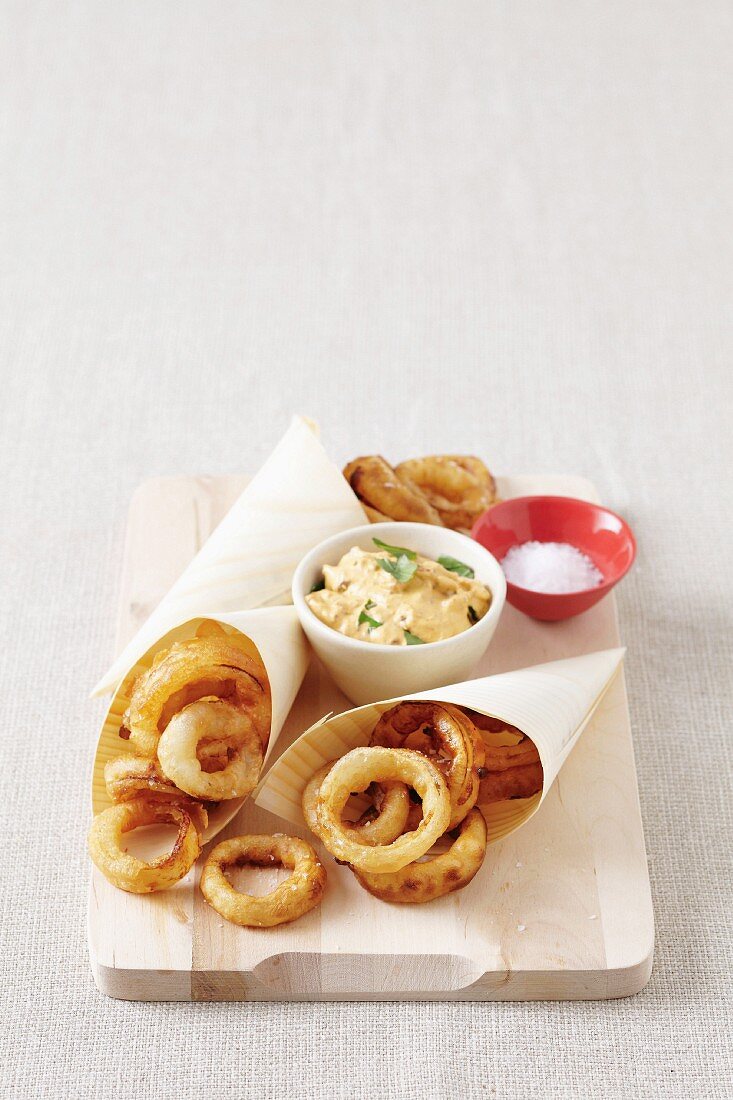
point(395, 551)
point(364, 618)
point(403, 570)
point(412, 639)
point(456, 566)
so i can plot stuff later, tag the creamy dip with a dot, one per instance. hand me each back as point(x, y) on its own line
point(365, 600)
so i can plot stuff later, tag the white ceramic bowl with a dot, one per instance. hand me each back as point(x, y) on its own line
point(368, 671)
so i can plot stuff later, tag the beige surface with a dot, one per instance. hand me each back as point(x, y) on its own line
point(493, 226)
point(561, 910)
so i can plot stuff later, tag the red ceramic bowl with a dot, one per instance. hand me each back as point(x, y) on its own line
point(602, 535)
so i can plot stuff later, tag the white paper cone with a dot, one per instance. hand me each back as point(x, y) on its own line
point(272, 634)
point(297, 499)
point(550, 703)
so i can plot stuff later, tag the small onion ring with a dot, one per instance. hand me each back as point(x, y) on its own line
point(390, 799)
point(130, 777)
point(352, 774)
point(386, 494)
point(126, 871)
point(433, 878)
point(518, 782)
point(214, 718)
point(300, 892)
point(446, 736)
point(459, 487)
point(195, 669)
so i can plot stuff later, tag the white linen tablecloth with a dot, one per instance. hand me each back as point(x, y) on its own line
point(500, 228)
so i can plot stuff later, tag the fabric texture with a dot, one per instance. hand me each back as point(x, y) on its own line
point(500, 228)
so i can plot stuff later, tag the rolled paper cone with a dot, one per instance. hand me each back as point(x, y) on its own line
point(298, 498)
point(550, 703)
point(271, 634)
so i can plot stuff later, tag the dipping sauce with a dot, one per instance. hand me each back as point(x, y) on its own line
point(395, 596)
point(550, 567)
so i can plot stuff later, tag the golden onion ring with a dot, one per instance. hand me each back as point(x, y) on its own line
point(500, 757)
point(128, 872)
point(446, 736)
point(191, 670)
point(384, 494)
point(391, 801)
point(519, 782)
point(433, 878)
point(458, 487)
point(179, 741)
point(132, 776)
point(354, 772)
point(300, 892)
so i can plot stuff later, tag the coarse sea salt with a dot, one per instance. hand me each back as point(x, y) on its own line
point(550, 567)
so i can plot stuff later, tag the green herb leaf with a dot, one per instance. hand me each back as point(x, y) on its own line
point(364, 618)
point(319, 585)
point(396, 551)
point(369, 605)
point(403, 570)
point(472, 614)
point(456, 566)
point(412, 639)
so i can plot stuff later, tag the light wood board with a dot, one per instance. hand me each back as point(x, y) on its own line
point(560, 910)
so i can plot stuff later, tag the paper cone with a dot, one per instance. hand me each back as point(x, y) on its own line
point(297, 499)
point(550, 703)
point(272, 634)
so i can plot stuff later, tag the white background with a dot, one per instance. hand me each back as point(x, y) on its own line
point(500, 228)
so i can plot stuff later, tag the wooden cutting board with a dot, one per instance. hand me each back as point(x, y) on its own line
point(560, 910)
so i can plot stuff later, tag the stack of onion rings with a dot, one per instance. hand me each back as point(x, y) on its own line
point(199, 668)
point(203, 710)
point(444, 490)
point(300, 892)
point(199, 721)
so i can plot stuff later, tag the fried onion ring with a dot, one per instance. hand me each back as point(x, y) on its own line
point(517, 782)
point(128, 872)
point(459, 487)
point(353, 773)
point(385, 494)
point(446, 736)
point(215, 718)
point(433, 878)
point(132, 776)
point(391, 803)
point(298, 894)
point(188, 671)
point(501, 758)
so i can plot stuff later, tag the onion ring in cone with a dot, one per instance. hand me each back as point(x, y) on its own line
point(433, 878)
point(353, 773)
point(179, 741)
point(391, 802)
point(191, 670)
point(446, 736)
